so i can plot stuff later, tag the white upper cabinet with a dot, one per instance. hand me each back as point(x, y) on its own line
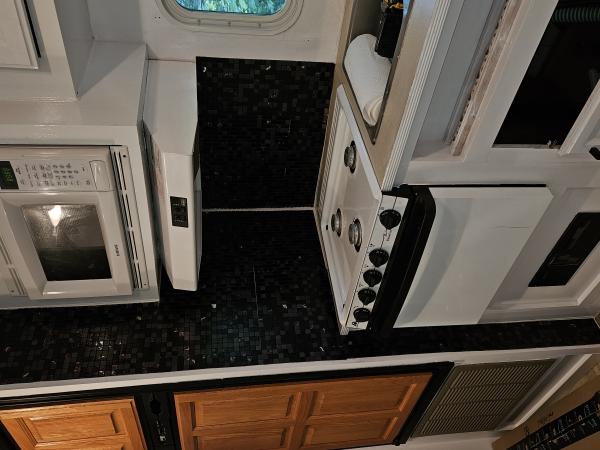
point(17, 49)
point(537, 88)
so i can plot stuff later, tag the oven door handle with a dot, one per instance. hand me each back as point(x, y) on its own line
point(404, 260)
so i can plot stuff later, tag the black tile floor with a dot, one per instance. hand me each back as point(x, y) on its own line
point(261, 127)
point(264, 298)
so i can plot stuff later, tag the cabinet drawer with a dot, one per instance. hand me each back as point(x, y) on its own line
point(102, 425)
point(257, 437)
point(327, 433)
point(363, 395)
point(235, 406)
point(260, 418)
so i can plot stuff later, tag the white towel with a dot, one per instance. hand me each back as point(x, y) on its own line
point(368, 73)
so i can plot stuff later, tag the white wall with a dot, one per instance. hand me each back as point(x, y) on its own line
point(314, 37)
point(76, 30)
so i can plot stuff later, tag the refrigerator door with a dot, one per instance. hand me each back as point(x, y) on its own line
point(477, 234)
point(170, 119)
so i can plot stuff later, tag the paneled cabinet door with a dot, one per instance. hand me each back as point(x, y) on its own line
point(111, 424)
point(320, 415)
point(358, 412)
point(17, 49)
point(258, 418)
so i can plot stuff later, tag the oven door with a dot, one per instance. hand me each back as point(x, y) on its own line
point(447, 271)
point(66, 245)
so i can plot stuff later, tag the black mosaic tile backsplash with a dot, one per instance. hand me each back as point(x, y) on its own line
point(264, 298)
point(261, 131)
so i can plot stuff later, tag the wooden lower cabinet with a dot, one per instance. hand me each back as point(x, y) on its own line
point(321, 415)
point(99, 425)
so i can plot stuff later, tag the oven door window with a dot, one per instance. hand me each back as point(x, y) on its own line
point(68, 241)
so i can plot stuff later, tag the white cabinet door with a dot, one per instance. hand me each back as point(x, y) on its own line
point(537, 92)
point(17, 49)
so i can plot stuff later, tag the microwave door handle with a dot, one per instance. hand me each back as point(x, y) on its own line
point(404, 261)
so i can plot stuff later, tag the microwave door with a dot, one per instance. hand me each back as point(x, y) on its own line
point(474, 239)
point(68, 241)
point(66, 245)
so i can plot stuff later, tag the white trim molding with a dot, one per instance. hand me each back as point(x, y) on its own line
point(435, 47)
point(232, 23)
point(220, 373)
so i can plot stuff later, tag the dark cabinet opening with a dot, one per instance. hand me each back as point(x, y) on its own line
point(559, 80)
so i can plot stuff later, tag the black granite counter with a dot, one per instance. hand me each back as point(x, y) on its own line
point(264, 298)
point(264, 295)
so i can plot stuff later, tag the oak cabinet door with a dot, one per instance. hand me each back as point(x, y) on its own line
point(352, 431)
point(258, 418)
point(360, 411)
point(111, 424)
point(319, 415)
point(258, 437)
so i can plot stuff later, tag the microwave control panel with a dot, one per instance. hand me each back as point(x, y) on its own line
point(51, 174)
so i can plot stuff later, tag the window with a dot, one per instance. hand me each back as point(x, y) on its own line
point(258, 7)
point(265, 17)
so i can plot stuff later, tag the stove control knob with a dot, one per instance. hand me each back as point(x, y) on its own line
point(372, 277)
point(379, 257)
point(355, 234)
point(367, 296)
point(390, 218)
point(350, 157)
point(362, 314)
point(336, 222)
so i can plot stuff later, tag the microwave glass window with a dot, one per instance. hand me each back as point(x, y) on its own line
point(7, 176)
point(559, 79)
point(68, 241)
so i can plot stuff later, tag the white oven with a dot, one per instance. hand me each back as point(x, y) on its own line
point(65, 225)
point(416, 255)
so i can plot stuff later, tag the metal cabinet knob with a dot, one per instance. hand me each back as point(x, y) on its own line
point(336, 222)
point(355, 234)
point(350, 157)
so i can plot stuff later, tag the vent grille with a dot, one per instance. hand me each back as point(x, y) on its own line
point(9, 273)
point(479, 397)
point(4, 253)
point(130, 217)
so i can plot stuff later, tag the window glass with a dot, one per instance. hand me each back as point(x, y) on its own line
point(256, 7)
point(68, 241)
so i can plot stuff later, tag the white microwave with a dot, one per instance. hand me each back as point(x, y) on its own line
point(66, 222)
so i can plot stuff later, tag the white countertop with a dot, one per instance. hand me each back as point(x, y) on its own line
point(111, 99)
